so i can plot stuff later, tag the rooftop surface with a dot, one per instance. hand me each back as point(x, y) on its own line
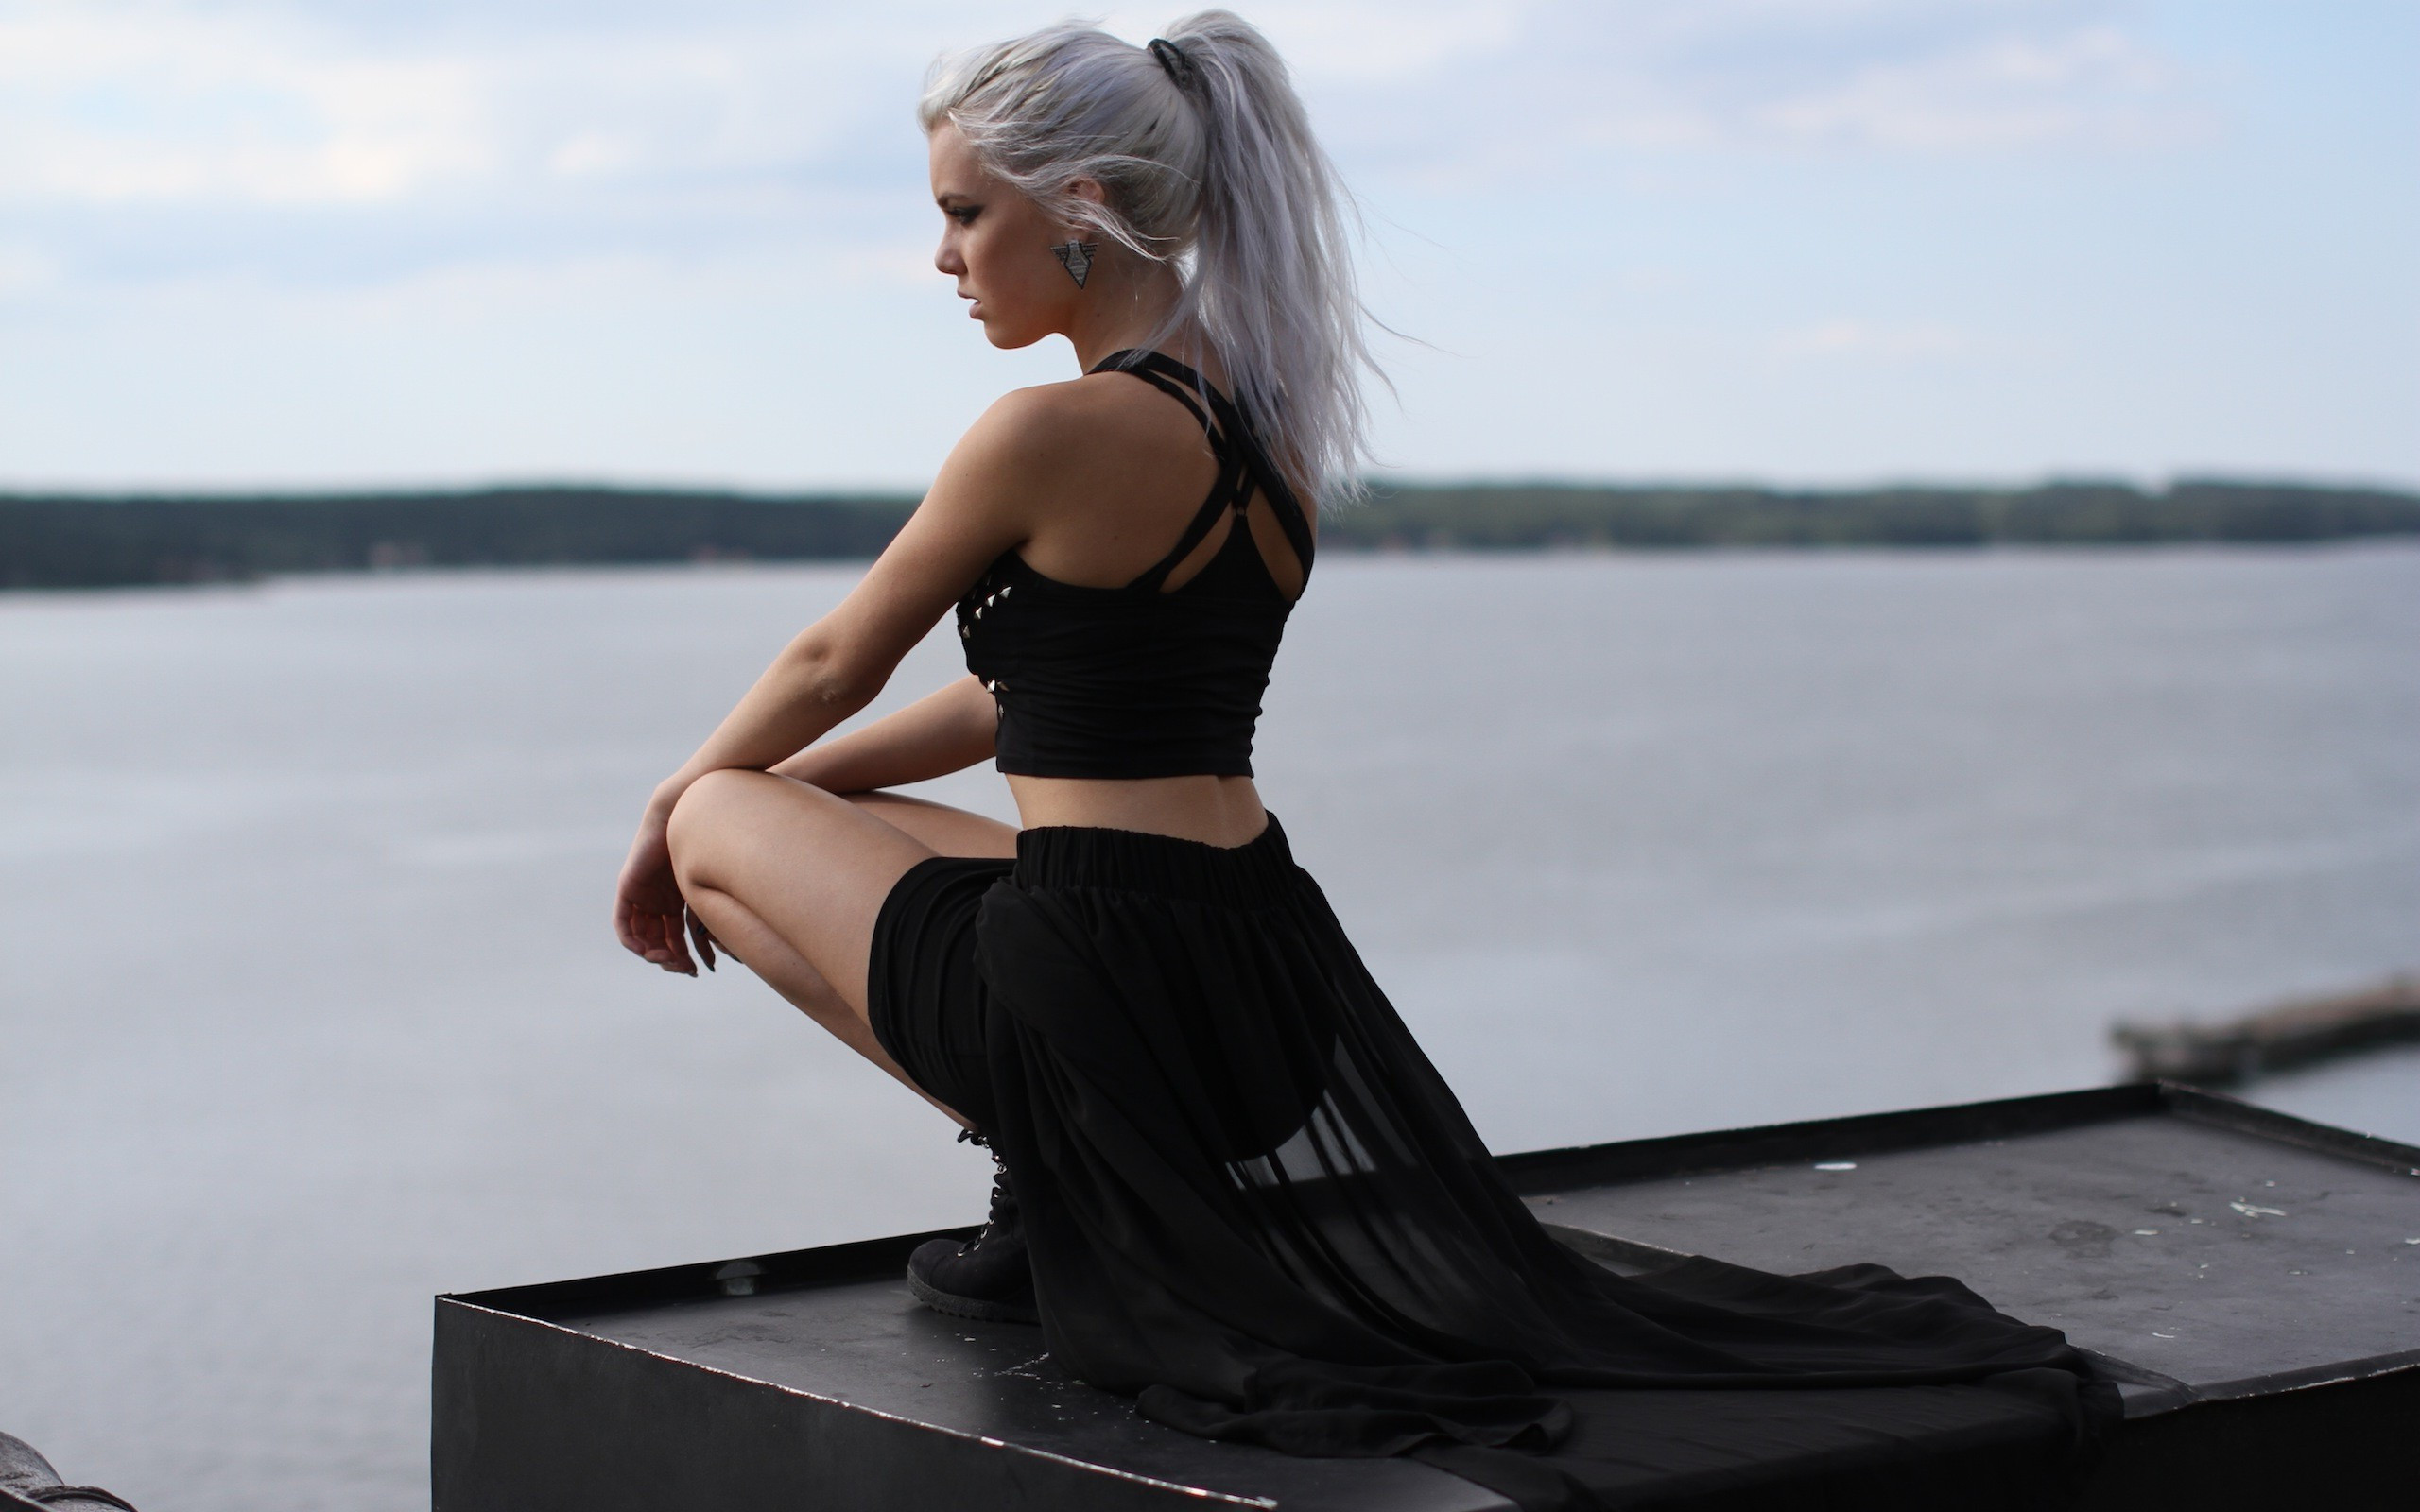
point(2208, 1250)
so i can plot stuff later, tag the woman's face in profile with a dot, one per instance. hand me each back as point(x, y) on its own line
point(997, 243)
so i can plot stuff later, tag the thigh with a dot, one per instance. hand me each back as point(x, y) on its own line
point(812, 867)
point(946, 831)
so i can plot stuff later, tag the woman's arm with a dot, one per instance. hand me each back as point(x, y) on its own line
point(947, 730)
point(995, 484)
point(997, 481)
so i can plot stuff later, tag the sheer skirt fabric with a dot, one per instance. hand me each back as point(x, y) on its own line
point(1253, 1203)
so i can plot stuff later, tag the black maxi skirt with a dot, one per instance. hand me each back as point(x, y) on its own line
point(1253, 1203)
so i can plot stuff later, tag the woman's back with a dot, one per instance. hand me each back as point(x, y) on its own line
point(1128, 637)
point(1133, 471)
point(1156, 673)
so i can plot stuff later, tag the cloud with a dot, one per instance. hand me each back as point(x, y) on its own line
point(1390, 41)
point(25, 270)
point(1845, 338)
point(354, 142)
point(114, 104)
point(106, 106)
point(2091, 86)
point(1559, 85)
point(106, 103)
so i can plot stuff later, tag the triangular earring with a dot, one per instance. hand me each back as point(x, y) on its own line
point(1077, 258)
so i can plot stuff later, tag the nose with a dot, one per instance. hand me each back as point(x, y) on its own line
point(945, 257)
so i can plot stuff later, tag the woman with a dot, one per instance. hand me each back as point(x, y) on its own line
point(1229, 1183)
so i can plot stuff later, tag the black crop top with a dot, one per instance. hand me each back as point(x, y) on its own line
point(1140, 680)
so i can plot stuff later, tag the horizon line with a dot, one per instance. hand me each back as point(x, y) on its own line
point(2049, 478)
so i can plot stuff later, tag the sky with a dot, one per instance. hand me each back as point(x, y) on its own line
point(346, 244)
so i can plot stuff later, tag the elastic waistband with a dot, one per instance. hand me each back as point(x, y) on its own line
point(1253, 875)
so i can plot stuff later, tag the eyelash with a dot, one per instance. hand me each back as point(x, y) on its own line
point(964, 215)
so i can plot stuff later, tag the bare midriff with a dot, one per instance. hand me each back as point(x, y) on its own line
point(1220, 811)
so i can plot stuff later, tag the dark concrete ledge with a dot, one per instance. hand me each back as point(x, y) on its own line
point(2243, 1275)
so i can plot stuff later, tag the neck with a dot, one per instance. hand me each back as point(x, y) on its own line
point(1122, 310)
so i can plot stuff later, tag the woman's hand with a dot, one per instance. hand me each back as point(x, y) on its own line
point(648, 910)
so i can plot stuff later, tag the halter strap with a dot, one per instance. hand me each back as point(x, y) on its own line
point(1226, 492)
point(1243, 461)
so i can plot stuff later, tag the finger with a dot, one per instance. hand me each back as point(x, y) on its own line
point(655, 942)
point(676, 949)
point(635, 933)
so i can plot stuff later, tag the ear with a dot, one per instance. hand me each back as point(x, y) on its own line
point(1089, 189)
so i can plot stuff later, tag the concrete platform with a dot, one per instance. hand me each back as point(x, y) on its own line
point(2245, 1275)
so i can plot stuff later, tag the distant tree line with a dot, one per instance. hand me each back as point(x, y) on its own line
point(72, 541)
point(1491, 517)
point(93, 542)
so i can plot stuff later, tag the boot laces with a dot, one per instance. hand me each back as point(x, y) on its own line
point(1004, 1198)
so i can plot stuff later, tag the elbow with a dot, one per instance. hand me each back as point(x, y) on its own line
point(828, 677)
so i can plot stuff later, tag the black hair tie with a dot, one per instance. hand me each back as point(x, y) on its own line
point(1178, 66)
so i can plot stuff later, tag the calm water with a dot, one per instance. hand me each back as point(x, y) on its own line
point(312, 1012)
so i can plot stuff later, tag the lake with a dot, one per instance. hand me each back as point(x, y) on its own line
point(313, 1010)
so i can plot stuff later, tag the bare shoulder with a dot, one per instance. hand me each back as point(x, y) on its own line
point(1092, 477)
point(1068, 451)
point(1082, 423)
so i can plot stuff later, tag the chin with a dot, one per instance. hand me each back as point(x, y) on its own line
point(1009, 338)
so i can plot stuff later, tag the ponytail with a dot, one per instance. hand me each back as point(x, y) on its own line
point(1210, 166)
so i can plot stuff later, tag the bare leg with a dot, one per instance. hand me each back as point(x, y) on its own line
point(946, 831)
point(790, 878)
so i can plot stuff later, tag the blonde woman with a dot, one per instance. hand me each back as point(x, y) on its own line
point(1229, 1183)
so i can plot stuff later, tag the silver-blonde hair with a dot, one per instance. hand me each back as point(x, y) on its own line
point(1210, 166)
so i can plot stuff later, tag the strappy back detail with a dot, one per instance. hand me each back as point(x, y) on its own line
point(1244, 468)
point(1145, 680)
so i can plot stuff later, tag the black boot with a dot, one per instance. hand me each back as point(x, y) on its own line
point(986, 1277)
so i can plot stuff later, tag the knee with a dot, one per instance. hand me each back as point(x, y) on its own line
point(704, 817)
